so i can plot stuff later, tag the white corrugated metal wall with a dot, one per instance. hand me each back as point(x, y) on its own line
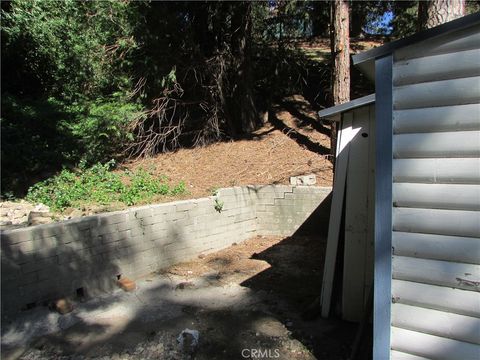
point(436, 196)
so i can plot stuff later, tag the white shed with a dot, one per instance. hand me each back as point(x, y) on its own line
point(426, 194)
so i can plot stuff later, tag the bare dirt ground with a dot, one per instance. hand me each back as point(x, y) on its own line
point(247, 299)
point(290, 144)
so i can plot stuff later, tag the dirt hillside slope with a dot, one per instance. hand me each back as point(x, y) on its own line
point(292, 143)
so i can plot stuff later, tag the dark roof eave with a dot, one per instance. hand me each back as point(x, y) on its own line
point(388, 48)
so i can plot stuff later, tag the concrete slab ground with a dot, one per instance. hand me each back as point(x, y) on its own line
point(232, 298)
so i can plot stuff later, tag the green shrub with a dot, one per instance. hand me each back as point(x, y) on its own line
point(101, 126)
point(40, 136)
point(100, 185)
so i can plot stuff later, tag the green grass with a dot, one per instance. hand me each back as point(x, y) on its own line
point(99, 185)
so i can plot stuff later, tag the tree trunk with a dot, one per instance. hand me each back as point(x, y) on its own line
point(436, 12)
point(340, 47)
point(241, 107)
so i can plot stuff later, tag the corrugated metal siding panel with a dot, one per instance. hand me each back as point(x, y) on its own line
point(437, 119)
point(437, 67)
point(437, 221)
point(455, 275)
point(435, 322)
point(436, 247)
point(431, 346)
point(454, 196)
point(398, 355)
point(462, 144)
point(437, 171)
point(436, 195)
point(465, 39)
point(437, 93)
point(443, 298)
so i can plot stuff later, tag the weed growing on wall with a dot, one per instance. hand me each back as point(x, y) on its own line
point(100, 185)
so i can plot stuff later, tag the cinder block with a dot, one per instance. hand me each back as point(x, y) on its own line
point(23, 247)
point(102, 248)
point(138, 230)
point(277, 190)
point(185, 205)
point(203, 202)
point(40, 264)
point(46, 273)
point(114, 237)
point(16, 236)
point(103, 230)
point(112, 218)
point(48, 230)
point(140, 213)
point(26, 279)
point(160, 209)
point(176, 216)
point(156, 219)
point(160, 229)
point(231, 204)
point(123, 226)
point(82, 223)
point(311, 190)
point(124, 252)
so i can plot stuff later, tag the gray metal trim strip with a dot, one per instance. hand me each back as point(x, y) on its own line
point(383, 207)
point(334, 110)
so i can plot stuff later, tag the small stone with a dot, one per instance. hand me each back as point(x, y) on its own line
point(126, 284)
point(201, 256)
point(303, 180)
point(185, 285)
point(39, 217)
point(63, 306)
point(76, 213)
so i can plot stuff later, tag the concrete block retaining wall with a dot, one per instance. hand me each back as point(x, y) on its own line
point(44, 262)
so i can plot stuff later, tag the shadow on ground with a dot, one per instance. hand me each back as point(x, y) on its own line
point(236, 309)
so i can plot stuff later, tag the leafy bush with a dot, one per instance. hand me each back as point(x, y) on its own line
point(101, 126)
point(100, 185)
point(69, 49)
point(41, 136)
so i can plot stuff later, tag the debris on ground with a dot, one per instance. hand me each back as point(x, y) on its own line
point(185, 285)
point(126, 284)
point(62, 306)
point(188, 340)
